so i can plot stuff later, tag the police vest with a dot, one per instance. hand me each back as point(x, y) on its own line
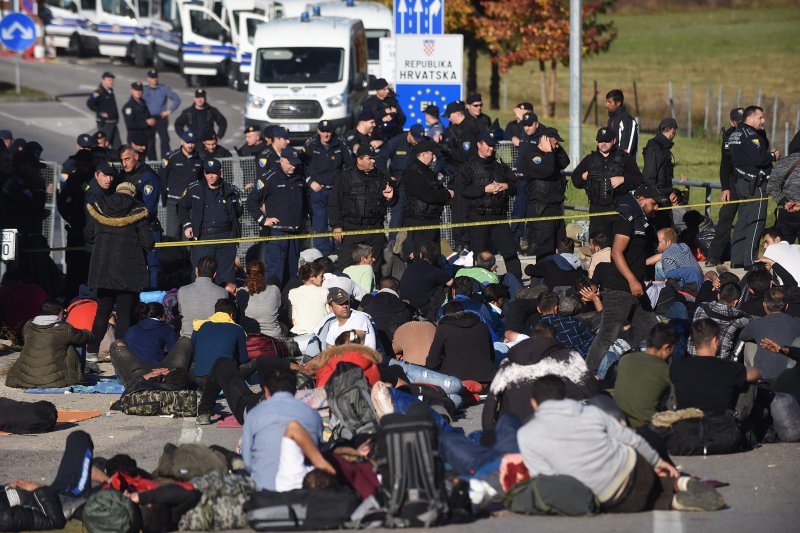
point(363, 204)
point(483, 173)
point(601, 170)
point(416, 209)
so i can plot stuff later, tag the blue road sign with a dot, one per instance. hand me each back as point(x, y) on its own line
point(414, 98)
point(17, 32)
point(418, 17)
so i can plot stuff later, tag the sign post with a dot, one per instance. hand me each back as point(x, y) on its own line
point(17, 33)
point(429, 70)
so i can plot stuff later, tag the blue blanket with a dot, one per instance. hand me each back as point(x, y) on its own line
point(103, 386)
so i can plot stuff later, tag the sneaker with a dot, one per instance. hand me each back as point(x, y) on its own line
point(91, 368)
point(698, 497)
point(381, 399)
point(203, 419)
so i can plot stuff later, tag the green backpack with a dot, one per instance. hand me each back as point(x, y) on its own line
point(109, 511)
point(182, 403)
point(560, 495)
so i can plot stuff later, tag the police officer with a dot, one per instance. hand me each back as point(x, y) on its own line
point(359, 201)
point(276, 204)
point(179, 169)
point(727, 212)
point(486, 184)
point(392, 160)
point(161, 103)
point(426, 196)
point(200, 117)
point(659, 166)
point(253, 143)
point(475, 112)
point(138, 141)
point(541, 168)
point(137, 117)
point(528, 127)
point(210, 209)
point(360, 135)
point(384, 102)
point(76, 172)
point(622, 123)
point(95, 191)
point(513, 130)
point(752, 164)
point(148, 191)
point(102, 150)
point(457, 146)
point(104, 105)
point(326, 158)
point(210, 147)
point(605, 174)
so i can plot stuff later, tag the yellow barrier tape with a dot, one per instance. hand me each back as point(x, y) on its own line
point(578, 215)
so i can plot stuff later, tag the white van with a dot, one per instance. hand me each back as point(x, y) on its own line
point(377, 20)
point(243, 18)
point(305, 70)
point(68, 23)
point(113, 27)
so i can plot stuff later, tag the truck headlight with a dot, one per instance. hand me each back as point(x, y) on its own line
point(336, 101)
point(255, 102)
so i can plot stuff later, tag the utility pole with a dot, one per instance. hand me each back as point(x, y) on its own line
point(575, 40)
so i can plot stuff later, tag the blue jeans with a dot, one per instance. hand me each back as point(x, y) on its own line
point(281, 257)
point(318, 205)
point(466, 456)
point(452, 386)
point(660, 272)
point(403, 400)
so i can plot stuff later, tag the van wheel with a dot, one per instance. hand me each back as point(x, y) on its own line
point(234, 76)
point(75, 46)
point(139, 55)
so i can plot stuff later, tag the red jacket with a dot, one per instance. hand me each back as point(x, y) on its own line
point(348, 353)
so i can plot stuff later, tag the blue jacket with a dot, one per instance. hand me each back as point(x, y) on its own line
point(151, 340)
point(215, 340)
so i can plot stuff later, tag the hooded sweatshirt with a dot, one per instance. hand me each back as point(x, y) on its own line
point(462, 347)
point(217, 337)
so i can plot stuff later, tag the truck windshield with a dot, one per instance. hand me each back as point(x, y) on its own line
point(299, 65)
point(252, 26)
point(373, 43)
point(119, 8)
point(205, 25)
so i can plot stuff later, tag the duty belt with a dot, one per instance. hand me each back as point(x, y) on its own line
point(747, 174)
point(212, 231)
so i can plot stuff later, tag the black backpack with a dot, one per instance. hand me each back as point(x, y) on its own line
point(412, 473)
point(349, 400)
point(300, 509)
point(710, 435)
point(432, 395)
point(25, 417)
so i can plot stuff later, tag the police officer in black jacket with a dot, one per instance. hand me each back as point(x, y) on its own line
point(200, 117)
point(104, 105)
point(752, 164)
point(253, 143)
point(426, 196)
point(326, 157)
point(458, 145)
point(179, 169)
point(361, 135)
point(276, 204)
point(486, 184)
point(210, 209)
point(659, 166)
point(359, 201)
point(76, 172)
point(137, 117)
point(384, 102)
point(605, 174)
point(545, 188)
point(727, 212)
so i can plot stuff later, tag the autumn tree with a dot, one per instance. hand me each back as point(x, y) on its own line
point(519, 31)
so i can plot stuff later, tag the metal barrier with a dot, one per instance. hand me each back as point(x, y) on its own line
point(243, 173)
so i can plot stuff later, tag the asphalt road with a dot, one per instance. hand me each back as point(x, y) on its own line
point(56, 125)
point(762, 495)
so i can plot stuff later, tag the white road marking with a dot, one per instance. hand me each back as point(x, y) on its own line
point(667, 522)
point(78, 110)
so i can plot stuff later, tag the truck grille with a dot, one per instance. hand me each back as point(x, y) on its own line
point(295, 109)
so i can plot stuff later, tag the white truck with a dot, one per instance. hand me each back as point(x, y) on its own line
point(377, 20)
point(305, 70)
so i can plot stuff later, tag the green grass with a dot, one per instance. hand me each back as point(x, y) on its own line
point(741, 49)
point(8, 91)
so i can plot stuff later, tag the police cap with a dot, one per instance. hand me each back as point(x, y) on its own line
point(432, 110)
point(737, 114)
point(552, 133)
point(104, 167)
point(251, 129)
point(139, 138)
point(454, 107)
point(379, 83)
point(199, 93)
point(668, 124)
point(488, 137)
point(605, 135)
point(366, 115)
point(326, 126)
point(528, 119)
point(417, 131)
point(5, 134)
point(188, 137)
point(279, 132)
point(423, 146)
point(137, 86)
point(212, 166)
point(99, 135)
point(527, 106)
point(85, 140)
point(366, 150)
point(291, 156)
point(152, 73)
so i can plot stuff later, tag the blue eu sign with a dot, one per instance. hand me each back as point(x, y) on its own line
point(17, 32)
point(413, 100)
point(418, 17)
